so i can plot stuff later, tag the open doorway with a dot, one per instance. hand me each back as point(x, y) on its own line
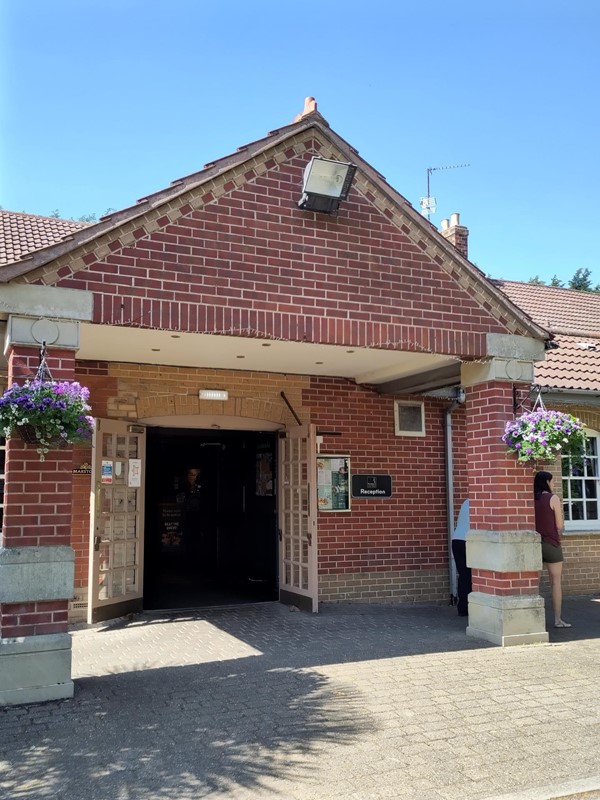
point(211, 521)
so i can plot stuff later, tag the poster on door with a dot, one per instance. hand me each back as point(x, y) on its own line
point(170, 527)
point(333, 474)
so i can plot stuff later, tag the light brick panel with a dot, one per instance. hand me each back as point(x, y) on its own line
point(406, 586)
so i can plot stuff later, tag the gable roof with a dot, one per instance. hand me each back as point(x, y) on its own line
point(79, 248)
point(574, 319)
point(22, 234)
point(558, 310)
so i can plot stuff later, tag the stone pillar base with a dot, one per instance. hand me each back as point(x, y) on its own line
point(507, 620)
point(34, 669)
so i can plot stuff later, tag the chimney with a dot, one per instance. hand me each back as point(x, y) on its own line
point(456, 234)
point(310, 106)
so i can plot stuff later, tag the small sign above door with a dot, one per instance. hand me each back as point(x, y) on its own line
point(371, 486)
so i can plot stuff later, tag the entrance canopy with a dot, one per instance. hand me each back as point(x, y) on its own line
point(365, 365)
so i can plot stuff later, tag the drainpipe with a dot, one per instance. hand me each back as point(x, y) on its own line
point(458, 400)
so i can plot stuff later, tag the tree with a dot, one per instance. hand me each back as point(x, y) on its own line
point(84, 217)
point(581, 280)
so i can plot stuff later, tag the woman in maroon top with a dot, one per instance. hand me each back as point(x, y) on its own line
point(549, 523)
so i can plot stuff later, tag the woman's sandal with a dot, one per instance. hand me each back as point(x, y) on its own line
point(562, 624)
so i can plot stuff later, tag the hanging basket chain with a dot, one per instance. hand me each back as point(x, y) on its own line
point(43, 373)
point(538, 404)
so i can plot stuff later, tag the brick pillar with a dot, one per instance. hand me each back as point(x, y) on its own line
point(36, 560)
point(503, 549)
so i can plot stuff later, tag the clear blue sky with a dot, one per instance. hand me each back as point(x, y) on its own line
point(106, 101)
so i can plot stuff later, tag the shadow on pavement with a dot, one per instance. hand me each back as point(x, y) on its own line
point(176, 732)
point(227, 700)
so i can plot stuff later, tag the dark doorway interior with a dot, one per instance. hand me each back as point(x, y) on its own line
point(211, 523)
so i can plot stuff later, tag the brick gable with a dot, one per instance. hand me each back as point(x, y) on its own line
point(249, 262)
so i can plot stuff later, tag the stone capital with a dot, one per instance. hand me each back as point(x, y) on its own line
point(504, 551)
point(497, 368)
point(32, 331)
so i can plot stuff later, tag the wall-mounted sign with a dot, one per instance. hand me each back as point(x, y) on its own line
point(333, 475)
point(134, 476)
point(107, 472)
point(371, 486)
point(82, 469)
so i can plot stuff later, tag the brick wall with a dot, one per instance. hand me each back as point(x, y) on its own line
point(251, 262)
point(33, 619)
point(500, 489)
point(581, 569)
point(37, 502)
point(383, 549)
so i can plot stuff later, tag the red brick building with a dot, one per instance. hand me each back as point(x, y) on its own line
point(290, 404)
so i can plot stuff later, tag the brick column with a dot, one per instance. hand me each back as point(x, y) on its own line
point(503, 549)
point(36, 560)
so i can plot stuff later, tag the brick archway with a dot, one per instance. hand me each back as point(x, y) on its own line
point(241, 407)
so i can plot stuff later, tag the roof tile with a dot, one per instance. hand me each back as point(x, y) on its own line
point(21, 234)
point(564, 310)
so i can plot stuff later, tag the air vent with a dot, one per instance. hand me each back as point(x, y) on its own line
point(409, 418)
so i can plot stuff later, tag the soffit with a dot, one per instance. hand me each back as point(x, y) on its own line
point(191, 350)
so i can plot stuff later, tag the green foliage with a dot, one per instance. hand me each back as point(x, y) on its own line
point(581, 281)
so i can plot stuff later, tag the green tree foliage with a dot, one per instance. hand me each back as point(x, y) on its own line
point(581, 281)
point(84, 217)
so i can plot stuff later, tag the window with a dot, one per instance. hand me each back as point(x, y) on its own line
point(581, 488)
point(409, 418)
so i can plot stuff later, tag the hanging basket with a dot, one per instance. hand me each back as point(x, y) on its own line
point(48, 414)
point(543, 436)
point(28, 433)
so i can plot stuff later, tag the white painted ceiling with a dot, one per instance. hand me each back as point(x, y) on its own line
point(140, 346)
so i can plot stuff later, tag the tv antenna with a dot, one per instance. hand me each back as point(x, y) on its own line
point(428, 203)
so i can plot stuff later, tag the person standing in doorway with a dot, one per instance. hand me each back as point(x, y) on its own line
point(549, 523)
point(459, 551)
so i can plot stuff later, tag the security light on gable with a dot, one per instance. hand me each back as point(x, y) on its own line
point(326, 183)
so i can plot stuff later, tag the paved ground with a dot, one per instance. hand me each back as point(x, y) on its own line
point(358, 702)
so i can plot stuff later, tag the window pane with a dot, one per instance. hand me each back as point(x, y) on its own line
point(576, 489)
point(591, 510)
point(591, 489)
point(576, 511)
point(577, 469)
point(567, 511)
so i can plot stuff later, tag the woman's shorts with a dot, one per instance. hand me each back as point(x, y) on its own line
point(551, 554)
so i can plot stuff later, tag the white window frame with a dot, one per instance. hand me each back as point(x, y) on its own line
point(581, 525)
point(415, 404)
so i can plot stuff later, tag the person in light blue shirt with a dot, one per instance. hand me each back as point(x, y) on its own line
point(459, 551)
